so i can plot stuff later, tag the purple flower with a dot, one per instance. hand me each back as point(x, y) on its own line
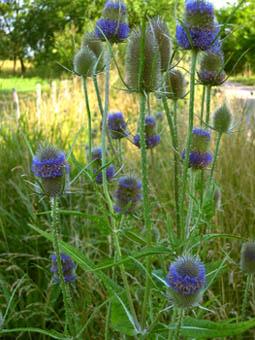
point(68, 268)
point(199, 38)
point(202, 133)
point(186, 280)
point(151, 141)
point(198, 160)
point(128, 194)
point(110, 172)
point(199, 13)
point(49, 168)
point(117, 125)
point(112, 30)
point(115, 5)
point(213, 78)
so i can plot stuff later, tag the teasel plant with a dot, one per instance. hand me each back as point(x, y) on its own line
point(50, 166)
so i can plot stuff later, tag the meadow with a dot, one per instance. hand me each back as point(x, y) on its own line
point(118, 258)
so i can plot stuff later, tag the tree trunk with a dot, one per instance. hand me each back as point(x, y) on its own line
point(23, 67)
point(14, 63)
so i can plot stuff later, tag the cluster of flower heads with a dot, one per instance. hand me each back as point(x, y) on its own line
point(97, 166)
point(127, 195)
point(152, 139)
point(117, 125)
point(113, 25)
point(51, 166)
point(68, 268)
point(186, 281)
point(199, 29)
point(199, 157)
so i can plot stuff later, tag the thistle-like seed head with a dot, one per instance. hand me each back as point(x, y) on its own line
point(200, 140)
point(175, 87)
point(199, 13)
point(222, 119)
point(146, 78)
point(84, 62)
point(211, 69)
point(96, 46)
point(160, 30)
point(127, 195)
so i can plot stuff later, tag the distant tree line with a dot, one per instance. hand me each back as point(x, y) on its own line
point(50, 31)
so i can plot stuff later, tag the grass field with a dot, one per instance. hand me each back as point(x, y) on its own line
point(28, 297)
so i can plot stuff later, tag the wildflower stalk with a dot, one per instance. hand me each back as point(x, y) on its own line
point(202, 105)
point(245, 297)
point(85, 89)
point(217, 147)
point(104, 128)
point(55, 234)
point(123, 273)
point(190, 127)
point(146, 205)
point(191, 201)
point(172, 123)
point(180, 314)
point(208, 103)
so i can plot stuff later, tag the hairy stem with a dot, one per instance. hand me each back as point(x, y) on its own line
point(208, 104)
point(55, 234)
point(85, 88)
point(202, 106)
point(180, 315)
point(216, 153)
point(190, 128)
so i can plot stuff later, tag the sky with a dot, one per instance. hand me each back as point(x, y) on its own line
point(223, 3)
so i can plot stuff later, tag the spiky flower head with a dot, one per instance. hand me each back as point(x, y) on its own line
point(160, 30)
point(198, 38)
point(127, 195)
point(113, 25)
point(152, 139)
point(186, 281)
point(117, 125)
point(68, 268)
point(84, 62)
point(148, 78)
point(97, 166)
point(200, 140)
point(222, 119)
point(211, 69)
point(248, 258)
point(175, 84)
point(198, 160)
point(96, 46)
point(50, 165)
point(199, 13)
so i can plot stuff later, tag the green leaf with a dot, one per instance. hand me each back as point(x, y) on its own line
point(52, 334)
point(204, 329)
point(119, 319)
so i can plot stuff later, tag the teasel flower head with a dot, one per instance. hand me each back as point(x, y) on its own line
point(159, 28)
point(68, 268)
point(203, 38)
point(152, 139)
point(222, 119)
point(148, 78)
point(117, 125)
point(186, 281)
point(96, 46)
point(84, 62)
point(127, 195)
point(97, 167)
point(198, 160)
point(113, 25)
point(248, 258)
point(199, 13)
point(200, 140)
point(175, 84)
point(51, 166)
point(211, 69)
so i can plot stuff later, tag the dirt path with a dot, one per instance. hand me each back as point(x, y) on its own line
point(239, 91)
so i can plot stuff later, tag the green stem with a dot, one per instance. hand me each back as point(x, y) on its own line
point(202, 106)
point(170, 333)
point(104, 128)
point(123, 274)
point(146, 204)
point(179, 324)
point(215, 157)
point(85, 88)
point(245, 297)
point(54, 230)
point(190, 128)
point(208, 104)
point(191, 202)
point(172, 123)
